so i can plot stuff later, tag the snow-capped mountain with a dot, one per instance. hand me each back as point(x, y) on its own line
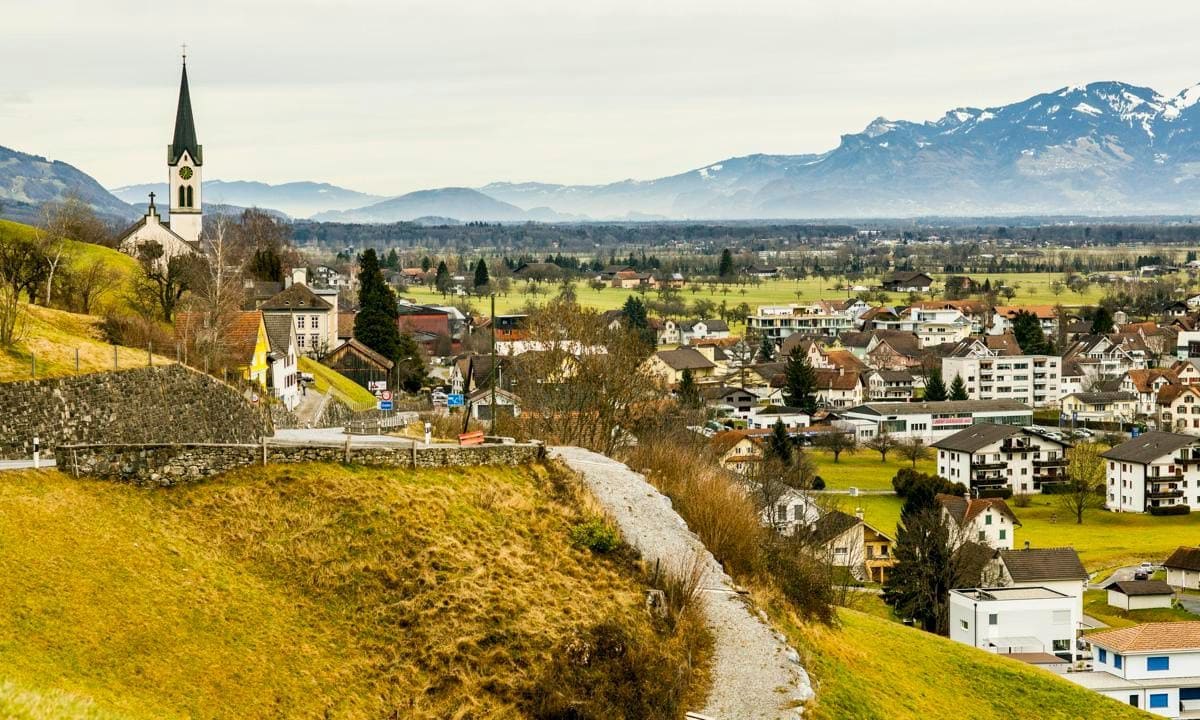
point(1103, 148)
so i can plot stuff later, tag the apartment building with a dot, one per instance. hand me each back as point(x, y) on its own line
point(932, 421)
point(1154, 470)
point(987, 457)
point(821, 317)
point(1030, 379)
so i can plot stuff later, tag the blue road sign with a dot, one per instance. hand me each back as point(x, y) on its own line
point(1135, 431)
point(454, 400)
point(385, 404)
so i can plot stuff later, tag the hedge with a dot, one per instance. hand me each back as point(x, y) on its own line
point(1170, 510)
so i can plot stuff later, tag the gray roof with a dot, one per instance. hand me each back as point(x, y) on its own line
point(1043, 564)
point(684, 359)
point(279, 331)
point(945, 406)
point(1140, 587)
point(1184, 558)
point(977, 437)
point(297, 297)
point(780, 410)
point(1150, 446)
point(1092, 398)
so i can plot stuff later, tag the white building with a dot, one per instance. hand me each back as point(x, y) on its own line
point(1057, 569)
point(933, 326)
point(1183, 568)
point(282, 374)
point(986, 521)
point(1013, 620)
point(185, 159)
point(690, 332)
point(1153, 666)
point(1031, 379)
point(313, 317)
point(993, 457)
point(821, 317)
point(1139, 594)
point(932, 421)
point(1154, 470)
point(766, 417)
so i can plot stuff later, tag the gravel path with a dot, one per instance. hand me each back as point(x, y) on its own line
point(756, 675)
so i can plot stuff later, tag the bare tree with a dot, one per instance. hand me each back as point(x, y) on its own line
point(91, 283)
point(1085, 481)
point(163, 281)
point(837, 441)
point(913, 449)
point(883, 443)
point(12, 316)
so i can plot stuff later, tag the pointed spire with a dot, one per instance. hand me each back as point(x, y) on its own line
point(185, 126)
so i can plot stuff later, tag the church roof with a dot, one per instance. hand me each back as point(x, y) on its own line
point(185, 127)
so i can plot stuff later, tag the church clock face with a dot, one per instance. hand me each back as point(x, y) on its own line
point(185, 173)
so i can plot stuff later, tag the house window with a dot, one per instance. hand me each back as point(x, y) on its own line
point(314, 319)
point(1062, 645)
point(1118, 661)
point(965, 625)
point(1158, 662)
point(315, 341)
point(299, 322)
point(781, 512)
point(300, 341)
point(993, 619)
point(1003, 534)
point(1158, 700)
point(1103, 655)
point(982, 535)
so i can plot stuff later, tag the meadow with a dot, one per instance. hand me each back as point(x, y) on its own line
point(1032, 289)
point(294, 591)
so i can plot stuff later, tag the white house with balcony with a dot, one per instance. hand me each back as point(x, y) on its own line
point(821, 317)
point(1018, 621)
point(1031, 379)
point(932, 326)
point(1154, 470)
point(987, 457)
point(1152, 666)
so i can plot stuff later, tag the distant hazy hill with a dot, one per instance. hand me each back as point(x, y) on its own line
point(297, 199)
point(462, 204)
point(26, 181)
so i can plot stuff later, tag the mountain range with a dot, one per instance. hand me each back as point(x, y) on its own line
point(1100, 149)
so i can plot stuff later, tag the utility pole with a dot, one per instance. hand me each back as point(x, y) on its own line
point(495, 374)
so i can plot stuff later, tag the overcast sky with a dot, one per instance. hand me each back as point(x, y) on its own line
point(388, 96)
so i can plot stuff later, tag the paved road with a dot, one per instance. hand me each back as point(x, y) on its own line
point(755, 675)
point(24, 464)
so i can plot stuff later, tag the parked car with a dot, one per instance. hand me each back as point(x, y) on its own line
point(1141, 575)
point(1147, 567)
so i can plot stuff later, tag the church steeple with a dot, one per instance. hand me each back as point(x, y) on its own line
point(185, 126)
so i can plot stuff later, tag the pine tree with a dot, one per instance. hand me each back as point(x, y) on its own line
point(426, 263)
point(766, 350)
point(725, 269)
point(779, 443)
point(935, 387)
point(958, 389)
point(442, 279)
point(800, 382)
point(375, 324)
point(1028, 331)
point(393, 260)
point(481, 274)
point(635, 313)
point(1102, 321)
point(689, 394)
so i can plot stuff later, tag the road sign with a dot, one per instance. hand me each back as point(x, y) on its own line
point(376, 385)
point(385, 395)
point(385, 404)
point(454, 400)
point(1135, 431)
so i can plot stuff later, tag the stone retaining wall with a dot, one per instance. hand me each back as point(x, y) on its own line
point(165, 404)
point(167, 464)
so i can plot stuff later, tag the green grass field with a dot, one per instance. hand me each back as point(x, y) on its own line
point(312, 591)
point(326, 379)
point(1095, 604)
point(863, 469)
point(870, 668)
point(1032, 289)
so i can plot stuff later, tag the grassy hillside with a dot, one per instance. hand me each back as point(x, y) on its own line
point(293, 591)
point(868, 667)
point(52, 337)
point(327, 380)
point(83, 255)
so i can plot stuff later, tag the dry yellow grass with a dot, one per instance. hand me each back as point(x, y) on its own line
point(51, 338)
point(296, 591)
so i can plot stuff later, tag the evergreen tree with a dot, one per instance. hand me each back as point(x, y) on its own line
point(1028, 331)
point(481, 274)
point(725, 269)
point(635, 313)
point(766, 350)
point(410, 364)
point(958, 389)
point(779, 443)
point(375, 324)
point(800, 382)
point(441, 279)
point(426, 263)
point(935, 387)
point(266, 265)
point(689, 394)
point(1102, 321)
point(393, 260)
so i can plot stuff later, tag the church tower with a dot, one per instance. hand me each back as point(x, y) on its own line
point(185, 160)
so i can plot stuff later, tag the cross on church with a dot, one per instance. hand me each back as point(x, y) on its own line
point(151, 198)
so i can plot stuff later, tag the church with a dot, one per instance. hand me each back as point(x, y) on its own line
point(180, 235)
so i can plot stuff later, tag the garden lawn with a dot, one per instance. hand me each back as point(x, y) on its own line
point(1095, 604)
point(863, 469)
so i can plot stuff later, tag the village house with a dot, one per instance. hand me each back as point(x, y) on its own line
point(1154, 666)
point(850, 542)
point(838, 388)
point(1155, 470)
point(821, 317)
point(671, 364)
point(693, 331)
point(894, 350)
point(1144, 386)
point(359, 363)
point(932, 421)
point(893, 385)
point(905, 281)
point(737, 400)
point(737, 450)
point(985, 521)
point(1139, 594)
point(1002, 317)
point(283, 377)
point(314, 318)
point(1099, 406)
point(1057, 569)
point(766, 417)
point(1178, 409)
point(935, 326)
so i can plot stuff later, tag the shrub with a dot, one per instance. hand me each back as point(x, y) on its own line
point(680, 588)
point(803, 578)
point(1171, 510)
point(613, 669)
point(1022, 500)
point(1004, 492)
point(595, 535)
point(818, 483)
point(1058, 488)
point(907, 481)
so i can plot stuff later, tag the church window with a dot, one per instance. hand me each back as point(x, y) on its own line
point(182, 197)
point(190, 201)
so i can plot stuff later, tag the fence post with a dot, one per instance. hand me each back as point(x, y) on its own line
point(33, 366)
point(149, 355)
point(76, 361)
point(264, 449)
point(114, 357)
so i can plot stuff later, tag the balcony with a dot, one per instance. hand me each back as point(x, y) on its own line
point(988, 481)
point(1164, 494)
point(1000, 465)
point(1052, 462)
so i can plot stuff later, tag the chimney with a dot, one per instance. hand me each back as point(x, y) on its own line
point(1026, 544)
point(858, 513)
point(299, 276)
